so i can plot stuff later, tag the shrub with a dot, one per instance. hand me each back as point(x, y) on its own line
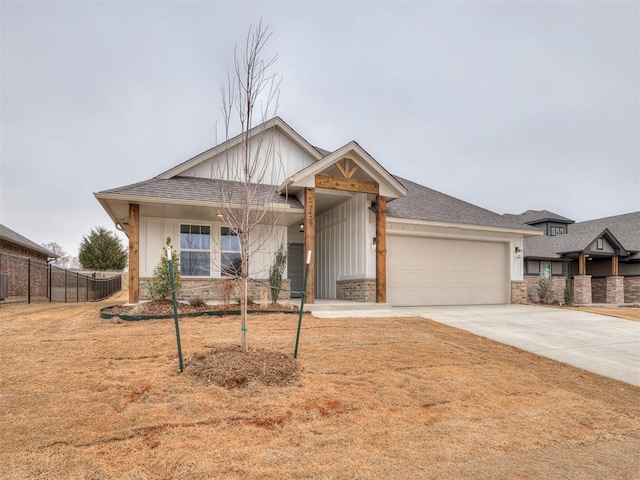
point(196, 302)
point(276, 271)
point(227, 291)
point(545, 290)
point(159, 286)
point(568, 294)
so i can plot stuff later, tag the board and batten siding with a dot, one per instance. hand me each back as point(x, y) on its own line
point(344, 236)
point(154, 232)
point(286, 157)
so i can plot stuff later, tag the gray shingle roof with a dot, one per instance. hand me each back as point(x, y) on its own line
point(538, 216)
point(13, 237)
point(625, 228)
point(423, 203)
point(201, 190)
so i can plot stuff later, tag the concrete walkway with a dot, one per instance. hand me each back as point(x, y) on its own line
point(604, 345)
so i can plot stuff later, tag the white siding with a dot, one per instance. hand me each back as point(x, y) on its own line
point(285, 156)
point(154, 232)
point(343, 243)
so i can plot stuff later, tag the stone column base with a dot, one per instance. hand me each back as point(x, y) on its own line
point(518, 291)
point(582, 289)
point(615, 289)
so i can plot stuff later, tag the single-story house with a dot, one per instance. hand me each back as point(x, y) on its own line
point(601, 257)
point(373, 236)
point(13, 243)
point(15, 251)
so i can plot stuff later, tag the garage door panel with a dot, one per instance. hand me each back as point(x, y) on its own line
point(437, 271)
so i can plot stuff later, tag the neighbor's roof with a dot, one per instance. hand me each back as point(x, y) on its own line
point(423, 203)
point(13, 237)
point(199, 190)
point(625, 228)
point(538, 216)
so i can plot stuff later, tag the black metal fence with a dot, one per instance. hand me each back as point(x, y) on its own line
point(28, 280)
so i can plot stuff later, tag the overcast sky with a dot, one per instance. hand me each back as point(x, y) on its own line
point(507, 105)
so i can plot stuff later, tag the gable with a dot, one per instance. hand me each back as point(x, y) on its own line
point(275, 149)
point(349, 168)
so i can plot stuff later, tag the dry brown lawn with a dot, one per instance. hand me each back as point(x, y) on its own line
point(87, 398)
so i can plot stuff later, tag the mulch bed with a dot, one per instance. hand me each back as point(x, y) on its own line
point(164, 308)
point(227, 366)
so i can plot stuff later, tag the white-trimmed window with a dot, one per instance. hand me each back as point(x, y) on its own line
point(230, 258)
point(195, 250)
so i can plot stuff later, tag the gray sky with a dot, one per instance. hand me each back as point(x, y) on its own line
point(507, 105)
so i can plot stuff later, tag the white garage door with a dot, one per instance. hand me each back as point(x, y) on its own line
point(437, 271)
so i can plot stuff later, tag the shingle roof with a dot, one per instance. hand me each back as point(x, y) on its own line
point(538, 216)
point(423, 203)
point(625, 228)
point(201, 190)
point(13, 237)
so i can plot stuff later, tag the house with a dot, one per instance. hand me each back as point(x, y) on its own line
point(601, 257)
point(372, 236)
point(16, 255)
point(15, 244)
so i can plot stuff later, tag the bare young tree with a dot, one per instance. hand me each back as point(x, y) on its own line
point(247, 177)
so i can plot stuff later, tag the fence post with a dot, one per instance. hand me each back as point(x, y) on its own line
point(29, 280)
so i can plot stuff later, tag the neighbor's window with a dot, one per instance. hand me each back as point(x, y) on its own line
point(545, 269)
point(230, 261)
point(556, 231)
point(600, 244)
point(195, 250)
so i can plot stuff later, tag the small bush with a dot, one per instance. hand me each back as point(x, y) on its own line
point(159, 286)
point(276, 271)
point(568, 294)
point(545, 290)
point(197, 302)
point(227, 291)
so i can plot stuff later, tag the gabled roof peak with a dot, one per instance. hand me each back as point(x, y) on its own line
point(531, 217)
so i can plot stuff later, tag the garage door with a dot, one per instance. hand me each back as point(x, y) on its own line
point(437, 271)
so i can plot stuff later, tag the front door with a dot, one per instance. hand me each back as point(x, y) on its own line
point(295, 268)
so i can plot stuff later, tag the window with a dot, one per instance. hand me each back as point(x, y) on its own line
point(230, 261)
point(553, 231)
point(545, 269)
point(195, 246)
point(600, 244)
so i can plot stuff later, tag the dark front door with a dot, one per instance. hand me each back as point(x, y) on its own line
point(295, 268)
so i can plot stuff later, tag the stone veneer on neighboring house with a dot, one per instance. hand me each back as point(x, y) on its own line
point(518, 292)
point(632, 289)
point(558, 284)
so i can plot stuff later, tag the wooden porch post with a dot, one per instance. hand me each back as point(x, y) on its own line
point(614, 266)
point(134, 253)
point(381, 249)
point(310, 241)
point(582, 264)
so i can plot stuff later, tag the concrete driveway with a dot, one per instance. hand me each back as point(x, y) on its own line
point(604, 345)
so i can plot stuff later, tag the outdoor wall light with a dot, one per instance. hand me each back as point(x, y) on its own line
point(518, 252)
point(219, 215)
point(374, 244)
point(302, 226)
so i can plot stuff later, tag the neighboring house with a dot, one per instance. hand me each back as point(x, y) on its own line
point(601, 257)
point(15, 244)
point(372, 236)
point(15, 252)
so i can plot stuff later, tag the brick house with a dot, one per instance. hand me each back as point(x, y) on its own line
point(601, 257)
